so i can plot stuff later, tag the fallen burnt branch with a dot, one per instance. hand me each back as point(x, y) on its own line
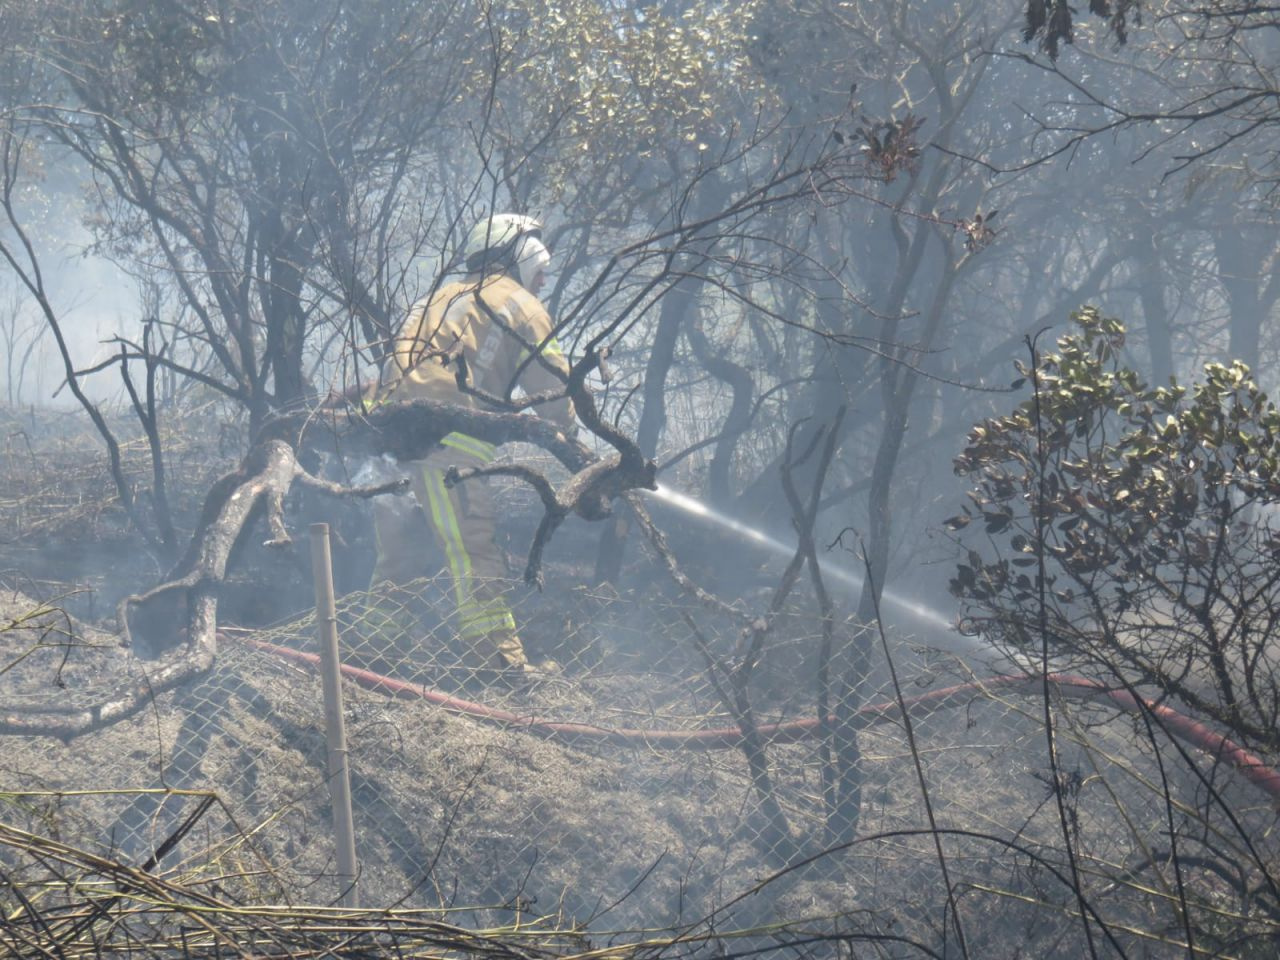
point(186, 602)
point(588, 493)
point(184, 605)
point(411, 429)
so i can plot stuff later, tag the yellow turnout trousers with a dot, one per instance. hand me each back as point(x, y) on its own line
point(461, 520)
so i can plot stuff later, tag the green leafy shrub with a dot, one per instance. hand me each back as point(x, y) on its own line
point(1128, 530)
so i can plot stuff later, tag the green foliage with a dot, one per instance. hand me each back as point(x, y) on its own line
point(601, 97)
point(1137, 515)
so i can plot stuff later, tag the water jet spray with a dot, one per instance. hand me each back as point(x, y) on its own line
point(922, 614)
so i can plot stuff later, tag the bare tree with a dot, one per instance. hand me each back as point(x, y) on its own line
point(19, 339)
point(1197, 79)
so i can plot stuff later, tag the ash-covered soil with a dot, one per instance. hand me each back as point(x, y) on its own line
point(497, 825)
point(450, 811)
point(48, 658)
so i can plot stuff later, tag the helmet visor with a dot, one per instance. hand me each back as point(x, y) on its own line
point(532, 259)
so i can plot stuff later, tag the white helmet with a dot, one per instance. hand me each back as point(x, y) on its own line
point(493, 240)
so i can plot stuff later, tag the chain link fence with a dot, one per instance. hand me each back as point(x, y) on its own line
point(614, 794)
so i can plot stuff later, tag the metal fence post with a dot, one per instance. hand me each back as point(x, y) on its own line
point(335, 730)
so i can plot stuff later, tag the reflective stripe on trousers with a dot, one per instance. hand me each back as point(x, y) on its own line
point(480, 612)
point(461, 521)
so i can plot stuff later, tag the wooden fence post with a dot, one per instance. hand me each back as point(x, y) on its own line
point(335, 729)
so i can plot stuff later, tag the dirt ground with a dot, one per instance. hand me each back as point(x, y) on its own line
point(450, 811)
point(498, 826)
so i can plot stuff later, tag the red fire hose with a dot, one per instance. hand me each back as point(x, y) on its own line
point(1249, 765)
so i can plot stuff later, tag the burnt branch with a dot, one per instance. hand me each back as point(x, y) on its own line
point(741, 411)
point(554, 507)
point(575, 389)
point(776, 835)
point(186, 602)
point(840, 751)
point(658, 541)
point(589, 493)
point(21, 256)
point(148, 417)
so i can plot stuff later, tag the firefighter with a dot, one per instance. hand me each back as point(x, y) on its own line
point(495, 319)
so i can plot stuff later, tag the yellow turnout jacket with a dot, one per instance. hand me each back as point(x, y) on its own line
point(496, 337)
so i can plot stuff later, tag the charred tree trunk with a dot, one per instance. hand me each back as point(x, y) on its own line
point(1155, 311)
point(1242, 253)
point(736, 422)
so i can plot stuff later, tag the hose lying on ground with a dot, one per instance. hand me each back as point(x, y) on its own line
point(1248, 764)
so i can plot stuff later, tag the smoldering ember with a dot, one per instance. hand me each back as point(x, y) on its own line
point(567, 481)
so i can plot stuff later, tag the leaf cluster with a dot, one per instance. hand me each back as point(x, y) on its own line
point(602, 93)
point(1052, 22)
point(1130, 521)
point(890, 147)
